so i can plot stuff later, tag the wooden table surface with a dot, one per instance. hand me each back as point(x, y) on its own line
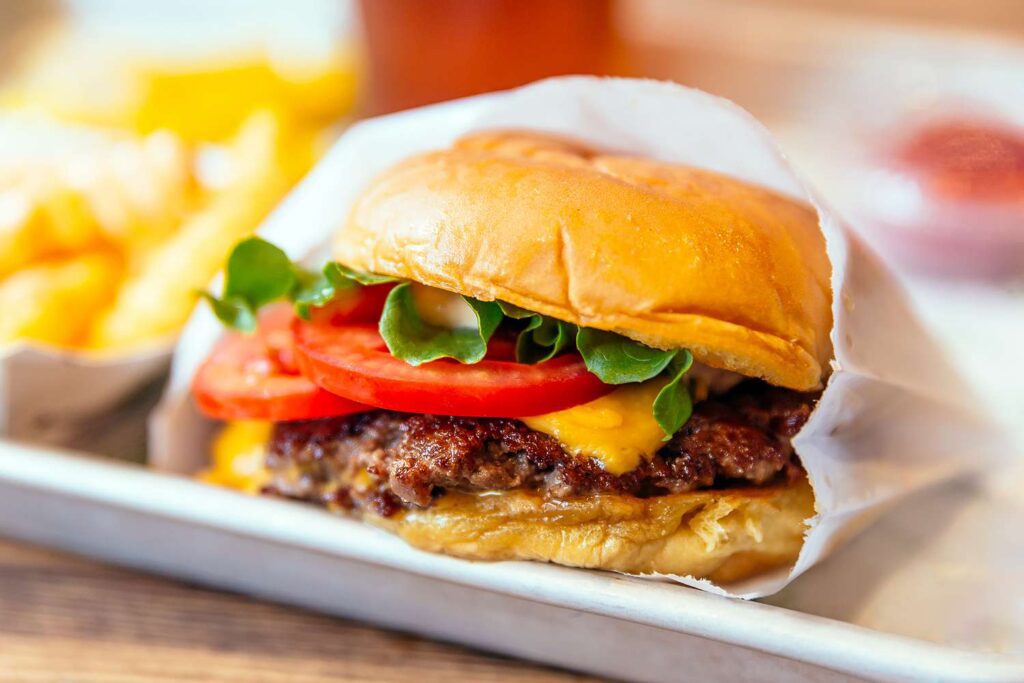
point(64, 618)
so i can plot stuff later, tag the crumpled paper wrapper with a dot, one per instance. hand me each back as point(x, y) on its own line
point(894, 418)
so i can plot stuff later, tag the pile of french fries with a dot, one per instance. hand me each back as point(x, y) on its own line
point(108, 228)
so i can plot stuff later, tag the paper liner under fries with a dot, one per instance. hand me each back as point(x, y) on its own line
point(895, 417)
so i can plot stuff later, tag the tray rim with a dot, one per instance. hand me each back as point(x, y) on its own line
point(828, 643)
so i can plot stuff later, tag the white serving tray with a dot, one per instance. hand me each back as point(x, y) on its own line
point(585, 620)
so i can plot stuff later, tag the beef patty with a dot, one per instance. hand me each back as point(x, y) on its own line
point(388, 461)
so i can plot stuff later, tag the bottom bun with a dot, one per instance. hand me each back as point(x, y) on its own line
point(722, 535)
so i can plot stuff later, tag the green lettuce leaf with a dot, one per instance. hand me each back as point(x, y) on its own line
point(258, 273)
point(542, 338)
point(513, 311)
point(673, 405)
point(618, 360)
point(318, 289)
point(313, 290)
point(339, 275)
point(232, 311)
point(415, 341)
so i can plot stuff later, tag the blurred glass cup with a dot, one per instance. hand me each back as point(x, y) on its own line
point(429, 51)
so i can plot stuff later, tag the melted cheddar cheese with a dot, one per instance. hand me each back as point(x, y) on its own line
point(617, 430)
point(239, 453)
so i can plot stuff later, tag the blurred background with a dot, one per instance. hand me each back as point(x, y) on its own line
point(139, 141)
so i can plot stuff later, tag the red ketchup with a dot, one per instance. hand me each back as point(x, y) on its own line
point(961, 160)
point(949, 198)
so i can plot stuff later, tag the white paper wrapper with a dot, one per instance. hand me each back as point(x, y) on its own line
point(895, 417)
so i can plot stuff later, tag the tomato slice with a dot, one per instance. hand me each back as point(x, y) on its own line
point(351, 360)
point(253, 377)
point(359, 304)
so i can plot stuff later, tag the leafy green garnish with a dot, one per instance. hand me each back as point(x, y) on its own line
point(513, 311)
point(618, 360)
point(258, 273)
point(416, 341)
point(542, 338)
point(233, 312)
point(320, 289)
point(313, 290)
point(673, 405)
point(338, 274)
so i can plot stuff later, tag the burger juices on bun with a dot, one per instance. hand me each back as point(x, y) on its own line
point(528, 349)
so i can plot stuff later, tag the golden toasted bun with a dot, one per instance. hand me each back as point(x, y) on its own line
point(664, 254)
point(722, 535)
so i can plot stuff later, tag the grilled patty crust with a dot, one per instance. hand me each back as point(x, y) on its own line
point(388, 461)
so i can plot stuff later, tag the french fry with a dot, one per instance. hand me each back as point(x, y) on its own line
point(139, 202)
point(158, 296)
point(138, 190)
point(42, 221)
point(80, 188)
point(54, 302)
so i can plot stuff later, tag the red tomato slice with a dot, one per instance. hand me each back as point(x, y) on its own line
point(352, 361)
point(252, 377)
point(357, 305)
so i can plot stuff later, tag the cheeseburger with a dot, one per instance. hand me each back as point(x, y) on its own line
point(524, 348)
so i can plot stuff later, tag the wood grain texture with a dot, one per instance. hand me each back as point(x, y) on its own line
point(64, 618)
